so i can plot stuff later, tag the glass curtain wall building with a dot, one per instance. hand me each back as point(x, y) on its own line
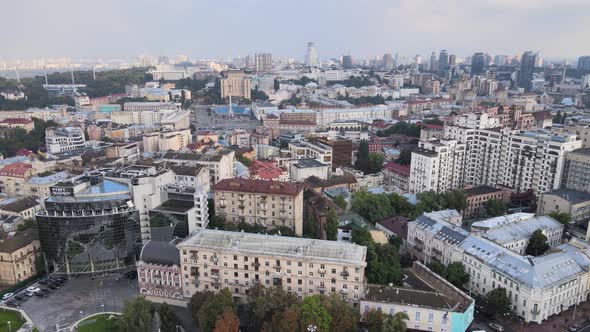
point(89, 224)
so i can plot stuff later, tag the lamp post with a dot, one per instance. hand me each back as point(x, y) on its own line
point(81, 313)
point(9, 327)
point(102, 307)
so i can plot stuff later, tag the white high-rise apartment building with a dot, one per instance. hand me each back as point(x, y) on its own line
point(476, 151)
point(311, 57)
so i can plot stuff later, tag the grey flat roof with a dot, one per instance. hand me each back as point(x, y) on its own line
point(308, 163)
point(521, 230)
point(573, 196)
point(271, 245)
point(160, 253)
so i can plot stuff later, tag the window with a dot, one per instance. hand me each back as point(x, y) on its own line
point(417, 317)
point(430, 317)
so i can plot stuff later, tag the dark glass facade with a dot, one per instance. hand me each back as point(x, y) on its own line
point(94, 230)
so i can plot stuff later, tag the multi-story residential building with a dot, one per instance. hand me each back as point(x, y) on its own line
point(20, 257)
point(431, 303)
point(212, 260)
point(13, 178)
point(167, 140)
point(235, 83)
point(64, 139)
point(519, 160)
point(477, 198)
point(341, 151)
point(167, 119)
point(397, 177)
point(159, 275)
point(576, 170)
point(89, 224)
point(303, 149)
point(220, 164)
point(24, 208)
point(538, 287)
point(267, 203)
point(149, 106)
point(125, 153)
point(438, 166)
point(573, 202)
point(39, 185)
point(263, 62)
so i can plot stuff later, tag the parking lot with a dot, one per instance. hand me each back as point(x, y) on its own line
point(77, 297)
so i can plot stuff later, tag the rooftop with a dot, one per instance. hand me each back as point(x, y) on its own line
point(160, 253)
point(502, 220)
point(272, 245)
point(20, 205)
point(259, 186)
point(17, 121)
point(308, 163)
point(522, 229)
point(480, 190)
point(572, 196)
point(11, 243)
point(398, 168)
point(15, 169)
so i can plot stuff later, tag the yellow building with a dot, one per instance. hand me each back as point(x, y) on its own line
point(19, 254)
point(236, 84)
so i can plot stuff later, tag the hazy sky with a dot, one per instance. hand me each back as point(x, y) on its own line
point(230, 28)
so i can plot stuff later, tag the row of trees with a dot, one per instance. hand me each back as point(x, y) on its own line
point(271, 309)
point(402, 127)
point(355, 81)
point(218, 222)
point(141, 315)
point(375, 207)
point(454, 272)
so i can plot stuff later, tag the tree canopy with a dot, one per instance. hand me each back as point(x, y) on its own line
point(383, 265)
point(537, 244)
point(495, 207)
point(497, 302)
point(562, 217)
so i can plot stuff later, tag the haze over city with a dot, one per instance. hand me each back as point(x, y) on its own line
point(232, 28)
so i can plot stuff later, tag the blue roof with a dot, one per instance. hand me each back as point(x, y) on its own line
point(235, 108)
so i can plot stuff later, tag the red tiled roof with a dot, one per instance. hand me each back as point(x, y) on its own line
point(15, 169)
point(265, 171)
point(433, 126)
point(17, 121)
point(24, 152)
point(259, 186)
point(398, 168)
point(271, 116)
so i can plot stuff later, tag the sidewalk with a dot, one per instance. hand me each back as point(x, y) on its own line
point(557, 323)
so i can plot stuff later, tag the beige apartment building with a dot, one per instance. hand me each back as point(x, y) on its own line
point(268, 203)
point(18, 256)
point(236, 84)
point(212, 260)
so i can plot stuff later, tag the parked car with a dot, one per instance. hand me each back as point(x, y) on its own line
point(52, 286)
point(7, 296)
point(33, 289)
point(19, 297)
point(43, 281)
point(496, 327)
point(574, 328)
point(13, 303)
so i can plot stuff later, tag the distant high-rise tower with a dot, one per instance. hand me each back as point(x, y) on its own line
point(433, 62)
point(584, 63)
point(527, 66)
point(311, 57)
point(538, 59)
point(163, 60)
point(263, 62)
point(347, 61)
point(388, 63)
point(501, 60)
point(443, 60)
point(477, 63)
point(452, 60)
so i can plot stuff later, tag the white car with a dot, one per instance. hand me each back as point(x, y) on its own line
point(33, 289)
point(496, 327)
point(7, 296)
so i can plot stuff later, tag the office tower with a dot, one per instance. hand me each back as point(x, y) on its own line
point(347, 61)
point(163, 60)
point(584, 63)
point(501, 60)
point(89, 224)
point(527, 66)
point(477, 63)
point(433, 62)
point(538, 59)
point(311, 57)
point(263, 62)
point(388, 63)
point(452, 60)
point(487, 59)
point(443, 60)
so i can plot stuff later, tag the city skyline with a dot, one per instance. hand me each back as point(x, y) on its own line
point(210, 30)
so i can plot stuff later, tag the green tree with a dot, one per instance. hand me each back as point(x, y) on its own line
point(438, 268)
point(332, 225)
point(168, 318)
point(362, 161)
point(214, 308)
point(495, 207)
point(456, 275)
point(197, 302)
point(429, 201)
point(405, 157)
point(371, 206)
point(228, 321)
point(562, 217)
point(396, 323)
point(312, 313)
point(137, 315)
point(375, 162)
point(264, 302)
point(455, 199)
point(344, 317)
point(287, 320)
point(27, 224)
point(537, 244)
point(497, 302)
point(383, 265)
point(373, 319)
point(340, 201)
point(310, 228)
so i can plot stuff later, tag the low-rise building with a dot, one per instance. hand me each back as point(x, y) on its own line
point(268, 203)
point(575, 203)
point(477, 198)
point(306, 149)
point(220, 163)
point(212, 260)
point(159, 276)
point(397, 177)
point(23, 123)
point(24, 208)
point(431, 302)
point(304, 168)
point(13, 178)
point(20, 255)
